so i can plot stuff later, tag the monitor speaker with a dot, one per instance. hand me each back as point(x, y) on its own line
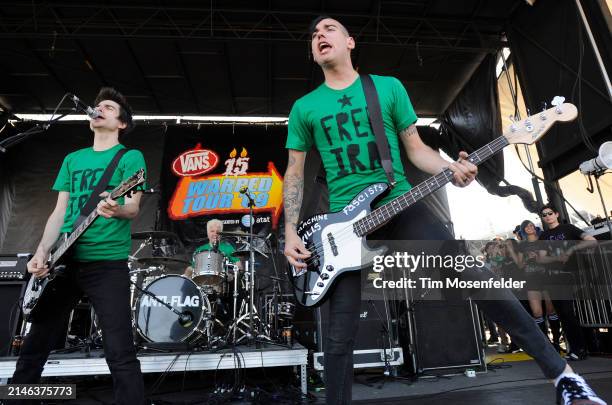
point(447, 336)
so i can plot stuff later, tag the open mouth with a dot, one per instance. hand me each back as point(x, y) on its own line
point(324, 46)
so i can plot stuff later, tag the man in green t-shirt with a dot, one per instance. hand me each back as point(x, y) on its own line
point(97, 266)
point(214, 227)
point(333, 119)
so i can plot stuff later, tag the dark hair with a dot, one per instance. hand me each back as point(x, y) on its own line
point(550, 207)
point(524, 225)
point(125, 111)
point(313, 24)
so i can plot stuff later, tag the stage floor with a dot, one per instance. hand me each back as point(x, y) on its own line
point(515, 382)
point(238, 357)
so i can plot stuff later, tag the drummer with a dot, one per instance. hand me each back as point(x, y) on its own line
point(214, 227)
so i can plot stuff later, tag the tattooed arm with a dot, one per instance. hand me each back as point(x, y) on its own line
point(293, 191)
point(430, 161)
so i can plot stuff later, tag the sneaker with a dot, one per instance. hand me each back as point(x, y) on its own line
point(576, 356)
point(573, 390)
point(502, 348)
point(492, 341)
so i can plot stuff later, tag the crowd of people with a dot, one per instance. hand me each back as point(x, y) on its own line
point(545, 260)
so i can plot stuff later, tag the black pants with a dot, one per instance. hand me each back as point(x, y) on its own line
point(106, 283)
point(571, 326)
point(418, 223)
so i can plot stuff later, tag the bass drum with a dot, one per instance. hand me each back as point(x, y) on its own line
point(157, 323)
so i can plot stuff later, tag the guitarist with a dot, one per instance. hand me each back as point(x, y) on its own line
point(98, 265)
point(333, 118)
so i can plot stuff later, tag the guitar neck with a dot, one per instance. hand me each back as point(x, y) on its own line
point(72, 238)
point(384, 213)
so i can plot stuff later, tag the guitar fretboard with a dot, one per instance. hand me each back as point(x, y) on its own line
point(73, 237)
point(384, 213)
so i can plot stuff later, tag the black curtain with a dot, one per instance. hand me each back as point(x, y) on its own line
point(473, 120)
point(553, 56)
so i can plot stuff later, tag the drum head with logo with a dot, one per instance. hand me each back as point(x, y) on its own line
point(157, 323)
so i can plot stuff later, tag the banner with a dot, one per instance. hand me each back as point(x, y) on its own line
point(225, 193)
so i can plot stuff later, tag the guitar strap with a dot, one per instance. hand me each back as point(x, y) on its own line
point(94, 198)
point(375, 116)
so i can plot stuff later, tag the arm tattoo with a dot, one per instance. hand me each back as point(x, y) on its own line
point(411, 130)
point(293, 191)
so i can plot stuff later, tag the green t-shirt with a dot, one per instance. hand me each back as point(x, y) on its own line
point(105, 239)
point(225, 248)
point(336, 122)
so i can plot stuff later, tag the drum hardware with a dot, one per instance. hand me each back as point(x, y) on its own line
point(165, 265)
point(256, 330)
point(150, 235)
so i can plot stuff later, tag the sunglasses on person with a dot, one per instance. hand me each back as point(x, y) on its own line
point(547, 213)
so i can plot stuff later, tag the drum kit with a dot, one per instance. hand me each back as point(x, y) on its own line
point(209, 302)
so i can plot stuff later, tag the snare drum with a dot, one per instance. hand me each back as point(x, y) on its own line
point(208, 269)
point(157, 323)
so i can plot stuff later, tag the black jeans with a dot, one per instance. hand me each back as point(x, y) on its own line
point(418, 223)
point(106, 283)
point(571, 326)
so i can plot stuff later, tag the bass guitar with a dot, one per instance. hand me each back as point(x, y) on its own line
point(337, 241)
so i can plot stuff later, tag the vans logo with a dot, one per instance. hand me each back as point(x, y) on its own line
point(195, 162)
point(363, 315)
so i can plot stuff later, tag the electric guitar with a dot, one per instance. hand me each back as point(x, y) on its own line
point(337, 240)
point(37, 286)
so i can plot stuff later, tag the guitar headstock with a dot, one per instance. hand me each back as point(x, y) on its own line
point(128, 185)
point(532, 128)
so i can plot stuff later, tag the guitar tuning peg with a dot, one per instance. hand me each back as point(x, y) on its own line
point(513, 127)
point(528, 113)
point(542, 114)
point(557, 101)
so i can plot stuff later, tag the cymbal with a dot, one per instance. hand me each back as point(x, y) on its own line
point(240, 234)
point(245, 253)
point(168, 263)
point(154, 235)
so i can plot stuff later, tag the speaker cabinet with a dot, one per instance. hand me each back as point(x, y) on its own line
point(376, 343)
point(447, 336)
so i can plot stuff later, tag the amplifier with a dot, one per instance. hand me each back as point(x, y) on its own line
point(377, 341)
point(14, 267)
point(447, 336)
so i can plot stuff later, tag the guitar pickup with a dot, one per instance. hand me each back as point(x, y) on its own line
point(332, 244)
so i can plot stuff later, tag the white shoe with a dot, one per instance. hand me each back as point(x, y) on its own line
point(573, 390)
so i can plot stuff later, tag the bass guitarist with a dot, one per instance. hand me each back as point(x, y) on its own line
point(98, 263)
point(333, 118)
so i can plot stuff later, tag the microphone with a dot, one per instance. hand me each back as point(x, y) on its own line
point(80, 105)
point(244, 190)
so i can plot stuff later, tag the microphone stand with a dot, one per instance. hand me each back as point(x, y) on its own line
point(36, 129)
point(253, 334)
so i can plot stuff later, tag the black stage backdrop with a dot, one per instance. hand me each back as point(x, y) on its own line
point(28, 171)
point(554, 57)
